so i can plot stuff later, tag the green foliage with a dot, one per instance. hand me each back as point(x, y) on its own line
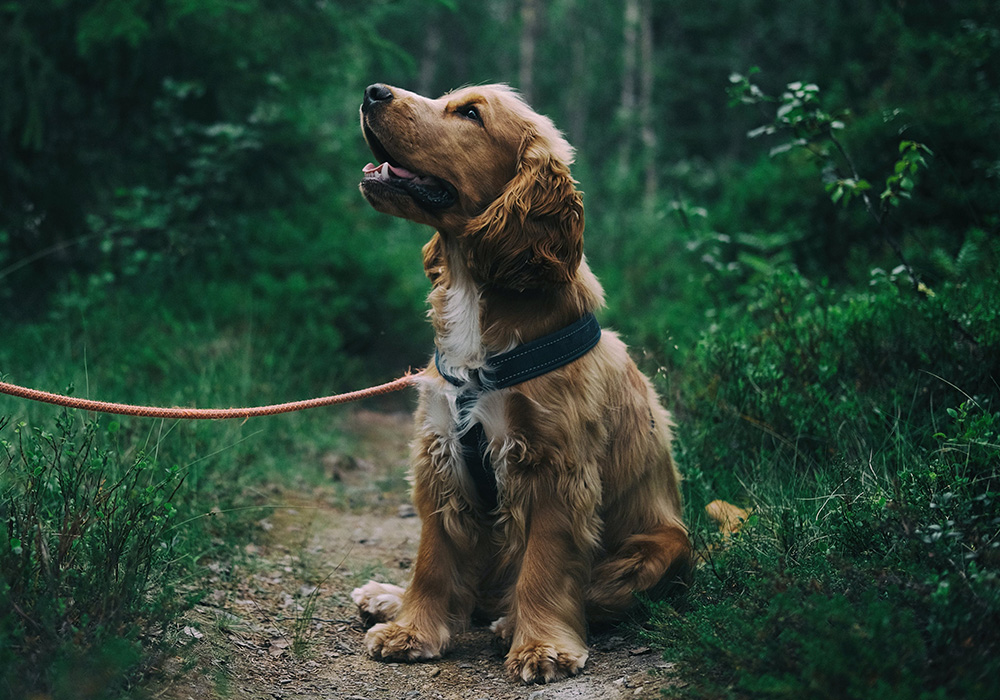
point(875, 578)
point(870, 566)
point(801, 113)
point(820, 398)
point(900, 184)
point(817, 364)
point(85, 556)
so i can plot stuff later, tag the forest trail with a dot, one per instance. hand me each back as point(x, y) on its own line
point(277, 623)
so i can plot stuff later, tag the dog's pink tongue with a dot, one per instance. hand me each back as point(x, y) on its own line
point(370, 168)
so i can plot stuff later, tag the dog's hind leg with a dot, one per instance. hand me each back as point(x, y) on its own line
point(378, 602)
point(653, 563)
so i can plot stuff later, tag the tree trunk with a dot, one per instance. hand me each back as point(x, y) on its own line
point(429, 57)
point(529, 34)
point(627, 102)
point(647, 76)
point(578, 99)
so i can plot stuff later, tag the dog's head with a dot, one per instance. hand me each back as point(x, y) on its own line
point(486, 171)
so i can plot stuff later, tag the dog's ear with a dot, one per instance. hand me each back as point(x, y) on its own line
point(531, 236)
point(434, 261)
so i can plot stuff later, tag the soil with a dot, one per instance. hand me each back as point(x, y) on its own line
point(277, 622)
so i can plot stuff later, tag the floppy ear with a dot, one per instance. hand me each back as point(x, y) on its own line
point(433, 259)
point(531, 236)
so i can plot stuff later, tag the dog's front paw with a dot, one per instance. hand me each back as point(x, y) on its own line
point(396, 642)
point(542, 662)
point(378, 602)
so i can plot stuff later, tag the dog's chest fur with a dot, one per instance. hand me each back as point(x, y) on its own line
point(457, 318)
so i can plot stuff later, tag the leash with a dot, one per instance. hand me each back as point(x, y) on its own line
point(120, 409)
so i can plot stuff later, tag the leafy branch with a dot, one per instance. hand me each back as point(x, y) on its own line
point(801, 115)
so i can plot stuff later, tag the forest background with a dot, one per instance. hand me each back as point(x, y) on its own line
point(794, 207)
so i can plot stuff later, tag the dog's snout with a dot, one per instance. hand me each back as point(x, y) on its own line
point(375, 94)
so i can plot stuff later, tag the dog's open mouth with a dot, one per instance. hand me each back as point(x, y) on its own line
point(429, 192)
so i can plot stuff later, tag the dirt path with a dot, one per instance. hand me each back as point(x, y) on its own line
point(279, 624)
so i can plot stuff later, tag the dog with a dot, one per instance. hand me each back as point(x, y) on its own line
point(542, 468)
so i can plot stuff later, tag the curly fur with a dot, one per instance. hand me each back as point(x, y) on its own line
point(589, 510)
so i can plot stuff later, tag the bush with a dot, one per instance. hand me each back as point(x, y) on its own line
point(872, 580)
point(870, 566)
point(85, 559)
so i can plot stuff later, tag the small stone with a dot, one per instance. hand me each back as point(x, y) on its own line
point(407, 511)
point(434, 672)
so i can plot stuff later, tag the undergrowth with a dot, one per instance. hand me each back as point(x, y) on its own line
point(859, 420)
point(867, 579)
point(86, 556)
point(106, 524)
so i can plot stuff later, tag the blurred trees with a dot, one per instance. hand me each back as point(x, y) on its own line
point(152, 124)
point(164, 136)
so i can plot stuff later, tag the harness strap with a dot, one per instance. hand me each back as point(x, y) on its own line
point(502, 370)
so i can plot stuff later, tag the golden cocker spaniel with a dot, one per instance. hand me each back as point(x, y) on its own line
point(542, 468)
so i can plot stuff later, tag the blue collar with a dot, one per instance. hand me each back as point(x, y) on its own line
point(524, 362)
point(533, 359)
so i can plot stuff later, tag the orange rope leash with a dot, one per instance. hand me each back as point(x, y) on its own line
point(121, 409)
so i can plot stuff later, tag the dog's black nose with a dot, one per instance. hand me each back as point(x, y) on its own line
point(374, 94)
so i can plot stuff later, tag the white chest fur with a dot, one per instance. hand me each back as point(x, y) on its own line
point(460, 338)
point(443, 420)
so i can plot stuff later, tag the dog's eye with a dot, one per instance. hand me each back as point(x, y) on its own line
point(470, 112)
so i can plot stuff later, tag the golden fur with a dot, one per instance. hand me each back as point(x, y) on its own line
point(589, 508)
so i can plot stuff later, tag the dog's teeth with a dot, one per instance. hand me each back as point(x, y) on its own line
point(378, 172)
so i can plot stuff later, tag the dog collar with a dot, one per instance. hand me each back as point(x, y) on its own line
point(532, 359)
point(527, 361)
